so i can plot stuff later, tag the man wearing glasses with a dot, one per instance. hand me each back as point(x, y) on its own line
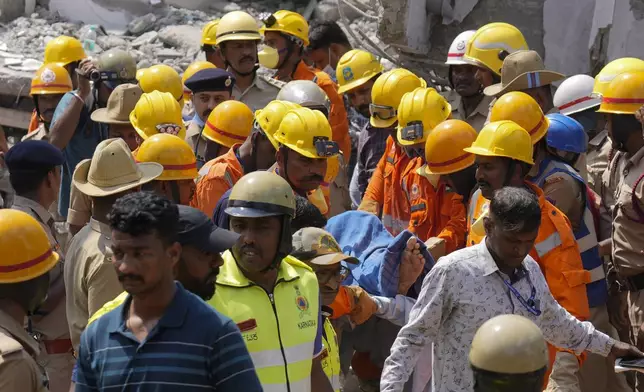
point(72, 129)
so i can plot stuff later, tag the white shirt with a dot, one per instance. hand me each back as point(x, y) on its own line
point(462, 291)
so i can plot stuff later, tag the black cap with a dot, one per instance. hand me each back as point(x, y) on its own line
point(211, 79)
point(33, 155)
point(197, 230)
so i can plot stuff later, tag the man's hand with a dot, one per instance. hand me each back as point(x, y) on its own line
point(85, 67)
point(621, 349)
point(363, 305)
point(411, 266)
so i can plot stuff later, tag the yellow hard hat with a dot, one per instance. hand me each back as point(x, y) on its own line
point(157, 112)
point(509, 344)
point(162, 78)
point(503, 139)
point(209, 33)
point(171, 152)
point(269, 118)
point(260, 194)
point(355, 68)
point(492, 43)
point(524, 110)
point(190, 71)
point(51, 79)
point(624, 95)
point(387, 92)
point(25, 248)
point(308, 133)
point(614, 68)
point(64, 50)
point(444, 147)
point(229, 123)
point(237, 26)
point(288, 22)
point(419, 112)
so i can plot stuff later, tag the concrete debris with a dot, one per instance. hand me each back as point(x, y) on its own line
point(168, 54)
point(142, 24)
point(184, 36)
point(147, 38)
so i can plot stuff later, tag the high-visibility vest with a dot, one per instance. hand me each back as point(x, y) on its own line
point(331, 355)
point(108, 307)
point(279, 328)
point(585, 234)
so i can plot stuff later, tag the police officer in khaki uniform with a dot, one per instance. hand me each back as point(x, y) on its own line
point(508, 354)
point(238, 38)
point(34, 167)
point(90, 277)
point(209, 88)
point(27, 258)
point(623, 188)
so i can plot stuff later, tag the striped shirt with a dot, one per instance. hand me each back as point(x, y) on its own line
point(192, 348)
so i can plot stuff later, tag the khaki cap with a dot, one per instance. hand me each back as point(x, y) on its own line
point(113, 170)
point(119, 105)
point(321, 245)
point(523, 70)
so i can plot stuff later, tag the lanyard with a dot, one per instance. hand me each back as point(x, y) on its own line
point(530, 304)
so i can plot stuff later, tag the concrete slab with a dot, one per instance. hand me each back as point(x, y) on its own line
point(111, 14)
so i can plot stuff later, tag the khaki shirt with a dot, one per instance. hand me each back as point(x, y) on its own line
point(597, 159)
point(196, 142)
point(40, 133)
point(624, 190)
point(90, 278)
point(260, 93)
point(477, 119)
point(19, 371)
point(53, 325)
point(80, 207)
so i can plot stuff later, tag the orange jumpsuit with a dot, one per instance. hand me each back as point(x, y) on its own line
point(436, 211)
point(384, 196)
point(215, 178)
point(338, 115)
point(34, 122)
point(556, 252)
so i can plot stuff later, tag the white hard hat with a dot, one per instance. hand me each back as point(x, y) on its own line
point(575, 95)
point(304, 93)
point(457, 48)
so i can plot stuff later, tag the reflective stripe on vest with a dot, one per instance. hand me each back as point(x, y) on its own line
point(279, 328)
point(545, 246)
point(331, 360)
point(585, 234)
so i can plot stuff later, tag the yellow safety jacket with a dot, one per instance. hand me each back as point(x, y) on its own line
point(279, 328)
point(108, 307)
point(331, 355)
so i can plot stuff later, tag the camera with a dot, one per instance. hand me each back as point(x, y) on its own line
point(94, 76)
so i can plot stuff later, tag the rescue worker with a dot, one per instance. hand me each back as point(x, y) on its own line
point(162, 78)
point(358, 71)
point(176, 183)
point(47, 89)
point(24, 281)
point(304, 146)
point(157, 112)
point(524, 71)
point(503, 151)
point(623, 190)
point(508, 354)
point(489, 46)
point(564, 187)
point(209, 88)
point(335, 186)
point(466, 97)
point(34, 168)
point(188, 107)
point(257, 152)
point(259, 283)
point(321, 252)
point(375, 142)
point(288, 33)
point(90, 279)
point(228, 124)
point(72, 130)
point(116, 116)
point(238, 38)
point(327, 44)
point(209, 44)
point(435, 216)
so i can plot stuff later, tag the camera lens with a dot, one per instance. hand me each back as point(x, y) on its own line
point(94, 76)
